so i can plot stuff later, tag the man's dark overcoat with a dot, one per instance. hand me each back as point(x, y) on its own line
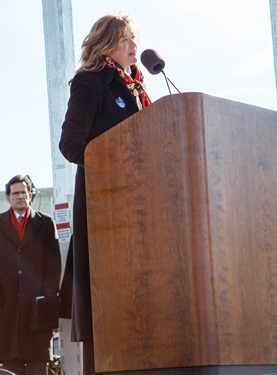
point(28, 267)
point(98, 102)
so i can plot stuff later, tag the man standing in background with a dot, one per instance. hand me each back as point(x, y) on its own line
point(30, 267)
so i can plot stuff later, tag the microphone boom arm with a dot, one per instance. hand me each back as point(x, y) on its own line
point(168, 80)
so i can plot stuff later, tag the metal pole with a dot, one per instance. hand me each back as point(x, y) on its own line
point(273, 16)
point(59, 54)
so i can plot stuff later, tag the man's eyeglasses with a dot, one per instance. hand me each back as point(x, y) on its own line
point(18, 193)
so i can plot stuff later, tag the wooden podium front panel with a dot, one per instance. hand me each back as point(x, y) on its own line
point(181, 217)
point(241, 155)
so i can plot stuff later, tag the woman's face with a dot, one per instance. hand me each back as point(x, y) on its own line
point(125, 51)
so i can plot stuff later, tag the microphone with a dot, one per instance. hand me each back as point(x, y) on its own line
point(155, 64)
point(152, 61)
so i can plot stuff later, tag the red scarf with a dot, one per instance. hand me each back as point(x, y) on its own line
point(20, 228)
point(134, 82)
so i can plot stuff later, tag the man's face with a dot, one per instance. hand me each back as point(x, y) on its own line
point(19, 197)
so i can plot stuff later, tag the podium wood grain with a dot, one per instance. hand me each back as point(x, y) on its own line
point(182, 219)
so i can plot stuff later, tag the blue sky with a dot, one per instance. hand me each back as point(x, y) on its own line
point(218, 47)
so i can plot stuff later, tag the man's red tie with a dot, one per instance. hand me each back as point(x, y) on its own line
point(20, 220)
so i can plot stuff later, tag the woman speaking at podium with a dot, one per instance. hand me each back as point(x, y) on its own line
point(106, 89)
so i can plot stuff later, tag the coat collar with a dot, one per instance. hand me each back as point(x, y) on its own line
point(108, 74)
point(8, 229)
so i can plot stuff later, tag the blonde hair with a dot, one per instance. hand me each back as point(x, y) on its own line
point(101, 40)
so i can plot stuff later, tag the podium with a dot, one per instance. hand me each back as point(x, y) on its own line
point(182, 222)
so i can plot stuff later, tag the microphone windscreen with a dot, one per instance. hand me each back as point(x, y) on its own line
point(152, 61)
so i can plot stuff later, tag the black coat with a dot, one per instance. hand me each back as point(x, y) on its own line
point(98, 101)
point(28, 267)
